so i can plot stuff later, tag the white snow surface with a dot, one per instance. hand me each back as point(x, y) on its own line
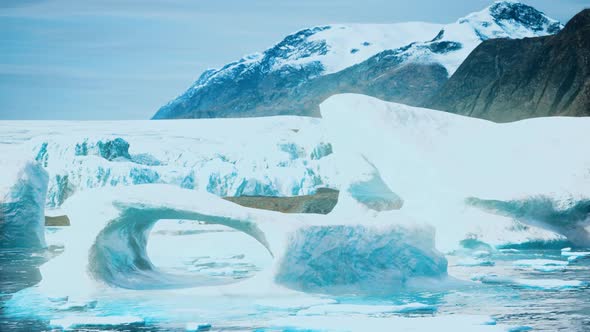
point(438, 162)
point(354, 43)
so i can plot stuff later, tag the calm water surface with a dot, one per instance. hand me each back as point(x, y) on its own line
point(514, 304)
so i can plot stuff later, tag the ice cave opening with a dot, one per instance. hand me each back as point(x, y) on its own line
point(192, 248)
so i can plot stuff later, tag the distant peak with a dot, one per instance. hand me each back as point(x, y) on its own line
point(523, 14)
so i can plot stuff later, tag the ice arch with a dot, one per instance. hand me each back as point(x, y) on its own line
point(106, 243)
point(119, 256)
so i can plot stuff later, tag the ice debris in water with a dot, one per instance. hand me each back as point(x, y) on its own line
point(198, 327)
point(338, 309)
point(544, 284)
point(543, 265)
point(81, 322)
point(573, 256)
point(474, 262)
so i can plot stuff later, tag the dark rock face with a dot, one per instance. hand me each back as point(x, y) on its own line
point(523, 14)
point(386, 76)
point(506, 80)
point(299, 91)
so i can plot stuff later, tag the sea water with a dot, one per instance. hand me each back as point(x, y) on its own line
point(518, 289)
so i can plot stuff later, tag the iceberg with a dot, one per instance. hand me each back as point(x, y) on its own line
point(457, 173)
point(110, 227)
point(23, 186)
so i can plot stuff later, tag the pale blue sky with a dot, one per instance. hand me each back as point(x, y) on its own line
point(123, 59)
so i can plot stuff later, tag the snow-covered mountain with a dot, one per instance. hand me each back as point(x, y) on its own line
point(506, 80)
point(404, 62)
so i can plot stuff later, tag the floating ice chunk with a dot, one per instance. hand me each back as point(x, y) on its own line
point(575, 258)
point(481, 253)
point(520, 328)
point(77, 306)
point(339, 309)
point(76, 322)
point(61, 299)
point(575, 253)
point(545, 284)
point(540, 263)
point(475, 262)
point(198, 327)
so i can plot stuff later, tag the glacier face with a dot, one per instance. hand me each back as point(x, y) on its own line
point(298, 73)
point(281, 157)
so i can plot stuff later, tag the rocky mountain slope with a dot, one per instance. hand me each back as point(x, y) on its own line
point(506, 80)
point(405, 62)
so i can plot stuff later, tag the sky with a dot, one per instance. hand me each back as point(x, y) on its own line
point(123, 59)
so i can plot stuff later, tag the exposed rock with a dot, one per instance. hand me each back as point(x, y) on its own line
point(322, 202)
point(506, 80)
point(57, 220)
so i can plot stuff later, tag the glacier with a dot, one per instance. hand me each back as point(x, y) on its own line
point(281, 157)
point(431, 169)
